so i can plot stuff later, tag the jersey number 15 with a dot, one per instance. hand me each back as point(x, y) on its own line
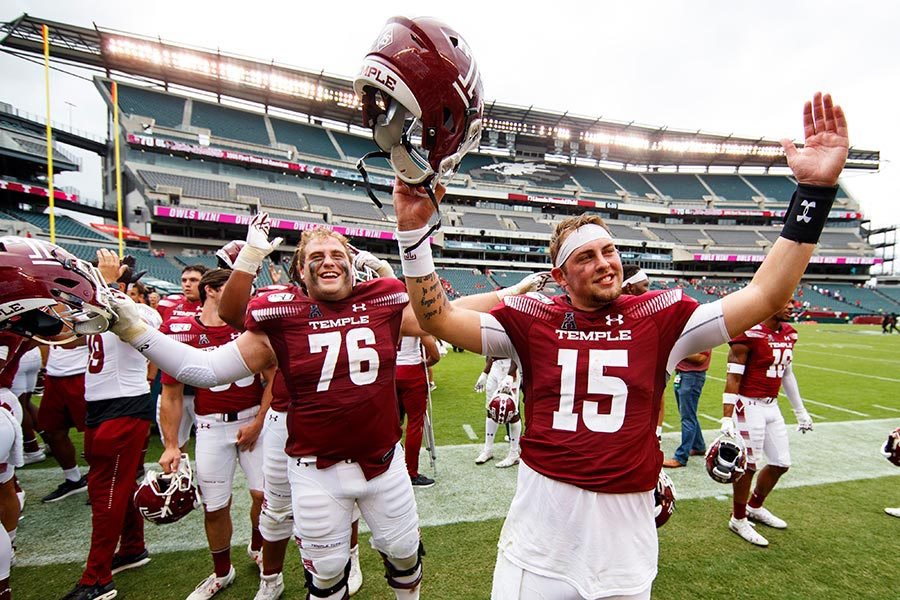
point(565, 418)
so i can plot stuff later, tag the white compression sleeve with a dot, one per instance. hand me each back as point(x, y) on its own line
point(704, 330)
point(193, 366)
point(792, 390)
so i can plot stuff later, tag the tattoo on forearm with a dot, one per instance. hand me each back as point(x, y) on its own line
point(432, 295)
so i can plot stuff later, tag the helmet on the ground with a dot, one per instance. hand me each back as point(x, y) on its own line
point(891, 448)
point(664, 499)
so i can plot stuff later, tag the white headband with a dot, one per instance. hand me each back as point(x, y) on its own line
point(578, 238)
point(636, 278)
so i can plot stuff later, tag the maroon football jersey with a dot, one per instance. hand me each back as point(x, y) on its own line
point(593, 382)
point(771, 351)
point(338, 361)
point(16, 348)
point(174, 307)
point(229, 397)
point(280, 398)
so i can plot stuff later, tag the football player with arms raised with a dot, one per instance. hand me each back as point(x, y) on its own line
point(229, 419)
point(595, 364)
point(759, 365)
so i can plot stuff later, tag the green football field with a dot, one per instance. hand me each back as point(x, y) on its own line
point(839, 543)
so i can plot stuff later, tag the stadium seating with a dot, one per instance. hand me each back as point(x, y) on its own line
point(744, 237)
point(775, 187)
point(529, 224)
point(65, 226)
point(679, 187)
point(859, 297)
point(594, 180)
point(165, 109)
point(467, 281)
point(308, 139)
point(729, 187)
point(272, 197)
point(354, 146)
point(345, 207)
point(632, 182)
point(839, 239)
point(474, 161)
point(230, 123)
point(480, 221)
point(192, 187)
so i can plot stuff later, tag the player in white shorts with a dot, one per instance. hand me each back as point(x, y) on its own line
point(499, 373)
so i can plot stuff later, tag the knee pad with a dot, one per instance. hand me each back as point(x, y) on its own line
point(276, 523)
point(406, 545)
point(392, 570)
point(325, 592)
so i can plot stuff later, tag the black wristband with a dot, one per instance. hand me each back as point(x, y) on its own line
point(807, 213)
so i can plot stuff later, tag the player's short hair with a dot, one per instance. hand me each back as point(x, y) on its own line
point(215, 279)
point(198, 267)
point(567, 226)
point(310, 235)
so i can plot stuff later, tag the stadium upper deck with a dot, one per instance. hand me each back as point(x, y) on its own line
point(215, 137)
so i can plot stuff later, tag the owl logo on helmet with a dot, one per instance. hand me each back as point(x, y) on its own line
point(163, 499)
point(726, 459)
point(664, 499)
point(420, 82)
point(891, 448)
point(503, 408)
point(48, 294)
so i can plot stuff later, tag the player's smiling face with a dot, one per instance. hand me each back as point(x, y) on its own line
point(592, 275)
point(326, 272)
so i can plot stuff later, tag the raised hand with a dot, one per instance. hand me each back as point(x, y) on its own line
point(258, 247)
point(413, 206)
point(826, 143)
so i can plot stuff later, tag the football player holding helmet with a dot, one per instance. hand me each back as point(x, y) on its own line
point(664, 499)
point(168, 498)
point(726, 459)
point(420, 81)
point(48, 292)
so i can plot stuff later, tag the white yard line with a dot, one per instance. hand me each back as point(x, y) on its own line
point(470, 433)
point(887, 408)
point(816, 402)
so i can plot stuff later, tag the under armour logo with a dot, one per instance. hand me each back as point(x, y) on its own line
point(359, 307)
point(807, 205)
point(569, 322)
point(314, 312)
point(273, 417)
point(614, 320)
point(205, 426)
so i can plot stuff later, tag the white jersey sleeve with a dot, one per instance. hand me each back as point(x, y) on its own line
point(704, 330)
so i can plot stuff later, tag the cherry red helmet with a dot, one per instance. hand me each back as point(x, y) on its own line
point(165, 499)
point(503, 407)
point(726, 459)
point(421, 69)
point(891, 448)
point(664, 498)
point(46, 292)
point(227, 254)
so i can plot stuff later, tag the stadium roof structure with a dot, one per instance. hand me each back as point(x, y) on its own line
point(331, 97)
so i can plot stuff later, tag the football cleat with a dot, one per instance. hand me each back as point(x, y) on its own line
point(92, 592)
point(271, 587)
point(894, 512)
point(132, 561)
point(511, 459)
point(764, 516)
point(212, 585)
point(485, 456)
point(34, 457)
point(743, 528)
point(66, 489)
point(255, 556)
point(355, 580)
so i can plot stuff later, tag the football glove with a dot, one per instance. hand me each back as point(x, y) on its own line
point(532, 283)
point(728, 427)
point(479, 385)
point(804, 421)
point(258, 247)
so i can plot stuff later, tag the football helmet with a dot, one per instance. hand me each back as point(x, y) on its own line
point(891, 448)
point(726, 459)
point(503, 407)
point(420, 81)
point(664, 499)
point(47, 292)
point(168, 498)
point(227, 254)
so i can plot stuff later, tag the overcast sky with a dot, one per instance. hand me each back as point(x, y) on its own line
point(723, 67)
